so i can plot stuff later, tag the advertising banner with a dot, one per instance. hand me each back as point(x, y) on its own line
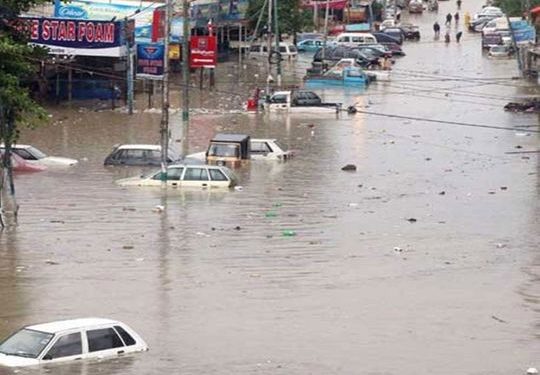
point(150, 60)
point(523, 32)
point(140, 11)
point(202, 11)
point(203, 52)
point(77, 38)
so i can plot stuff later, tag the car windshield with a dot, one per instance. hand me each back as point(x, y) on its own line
point(36, 153)
point(223, 149)
point(173, 155)
point(229, 174)
point(281, 145)
point(26, 343)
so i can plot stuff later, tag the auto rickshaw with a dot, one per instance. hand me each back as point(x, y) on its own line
point(229, 149)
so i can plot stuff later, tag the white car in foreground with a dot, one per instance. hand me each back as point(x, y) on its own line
point(187, 176)
point(35, 156)
point(69, 340)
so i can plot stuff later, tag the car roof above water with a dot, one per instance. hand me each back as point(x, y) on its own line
point(138, 146)
point(65, 325)
point(222, 137)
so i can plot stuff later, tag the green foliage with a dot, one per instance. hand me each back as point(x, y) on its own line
point(17, 65)
point(515, 8)
point(292, 18)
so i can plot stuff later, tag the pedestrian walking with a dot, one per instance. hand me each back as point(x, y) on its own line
point(456, 17)
point(448, 19)
point(436, 29)
point(459, 4)
point(447, 37)
point(467, 20)
point(458, 36)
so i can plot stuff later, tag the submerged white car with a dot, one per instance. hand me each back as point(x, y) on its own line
point(187, 176)
point(500, 51)
point(69, 340)
point(259, 149)
point(35, 156)
point(268, 149)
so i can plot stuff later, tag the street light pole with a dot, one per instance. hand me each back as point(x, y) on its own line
point(185, 77)
point(129, 69)
point(269, 47)
point(164, 126)
point(325, 30)
point(276, 30)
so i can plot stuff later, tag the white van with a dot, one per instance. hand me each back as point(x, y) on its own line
point(497, 24)
point(354, 39)
point(287, 50)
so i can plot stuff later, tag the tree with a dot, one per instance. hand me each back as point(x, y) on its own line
point(17, 62)
point(292, 18)
point(515, 8)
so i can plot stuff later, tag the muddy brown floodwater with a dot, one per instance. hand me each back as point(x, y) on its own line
point(359, 289)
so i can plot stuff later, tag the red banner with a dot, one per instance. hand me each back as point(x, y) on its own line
point(158, 25)
point(203, 52)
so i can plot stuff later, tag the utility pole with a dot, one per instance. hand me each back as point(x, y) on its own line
point(129, 68)
point(514, 44)
point(325, 30)
point(185, 77)
point(315, 16)
point(164, 126)
point(269, 46)
point(8, 204)
point(276, 30)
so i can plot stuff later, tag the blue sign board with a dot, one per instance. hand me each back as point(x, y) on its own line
point(150, 60)
point(523, 32)
point(78, 37)
point(525, 35)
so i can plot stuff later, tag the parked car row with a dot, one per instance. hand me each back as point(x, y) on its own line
point(190, 171)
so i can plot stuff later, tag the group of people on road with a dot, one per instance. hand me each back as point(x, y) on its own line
point(448, 24)
point(449, 19)
point(437, 29)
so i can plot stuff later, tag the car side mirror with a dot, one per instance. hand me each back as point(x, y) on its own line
point(47, 357)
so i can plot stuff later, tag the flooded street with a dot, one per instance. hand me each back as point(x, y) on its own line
point(213, 285)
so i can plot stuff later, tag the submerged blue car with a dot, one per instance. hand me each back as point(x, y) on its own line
point(349, 76)
point(309, 45)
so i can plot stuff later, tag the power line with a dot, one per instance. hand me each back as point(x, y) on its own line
point(422, 119)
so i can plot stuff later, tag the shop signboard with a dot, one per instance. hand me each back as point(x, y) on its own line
point(202, 11)
point(78, 38)
point(150, 60)
point(203, 52)
point(140, 11)
point(523, 32)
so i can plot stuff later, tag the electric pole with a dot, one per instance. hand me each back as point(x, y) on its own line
point(185, 77)
point(276, 28)
point(128, 39)
point(164, 126)
point(269, 46)
point(325, 30)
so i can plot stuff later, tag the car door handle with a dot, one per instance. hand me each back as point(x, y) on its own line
point(175, 184)
point(120, 352)
point(78, 358)
point(204, 185)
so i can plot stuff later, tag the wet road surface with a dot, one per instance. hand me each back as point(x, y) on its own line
point(214, 287)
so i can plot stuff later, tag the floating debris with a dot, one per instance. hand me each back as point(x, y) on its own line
point(349, 168)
